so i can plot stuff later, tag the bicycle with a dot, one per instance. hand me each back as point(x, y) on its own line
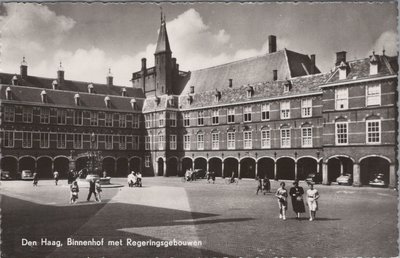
point(229, 181)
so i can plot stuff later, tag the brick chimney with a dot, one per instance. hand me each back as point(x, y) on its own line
point(340, 57)
point(275, 75)
point(60, 74)
point(271, 43)
point(24, 68)
point(143, 74)
point(109, 78)
point(312, 67)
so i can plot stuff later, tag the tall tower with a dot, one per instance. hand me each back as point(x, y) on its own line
point(163, 61)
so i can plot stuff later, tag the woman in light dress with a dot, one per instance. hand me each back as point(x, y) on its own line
point(282, 195)
point(312, 197)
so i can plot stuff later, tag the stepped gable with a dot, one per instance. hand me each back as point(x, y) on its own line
point(359, 69)
point(32, 95)
point(264, 90)
point(288, 64)
point(69, 85)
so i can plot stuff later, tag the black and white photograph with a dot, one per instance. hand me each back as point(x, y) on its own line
point(200, 129)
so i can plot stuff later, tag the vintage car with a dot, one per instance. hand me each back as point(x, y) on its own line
point(314, 178)
point(199, 173)
point(5, 175)
point(378, 180)
point(26, 175)
point(345, 179)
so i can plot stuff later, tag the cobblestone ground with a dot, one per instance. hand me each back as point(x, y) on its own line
point(228, 220)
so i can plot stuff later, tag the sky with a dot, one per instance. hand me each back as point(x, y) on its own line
point(91, 38)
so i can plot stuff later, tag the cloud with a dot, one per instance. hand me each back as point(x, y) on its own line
point(388, 41)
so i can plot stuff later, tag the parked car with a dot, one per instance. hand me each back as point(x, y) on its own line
point(199, 173)
point(5, 175)
point(26, 175)
point(378, 180)
point(345, 179)
point(314, 178)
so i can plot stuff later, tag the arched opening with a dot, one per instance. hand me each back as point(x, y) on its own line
point(27, 163)
point(215, 165)
point(10, 164)
point(200, 163)
point(186, 165)
point(266, 168)
point(160, 171)
point(172, 167)
point(285, 169)
point(44, 167)
point(109, 166)
point(61, 164)
point(371, 167)
point(231, 166)
point(122, 167)
point(306, 166)
point(134, 164)
point(81, 163)
point(247, 168)
point(338, 166)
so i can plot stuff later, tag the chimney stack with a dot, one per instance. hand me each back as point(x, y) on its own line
point(272, 43)
point(275, 75)
point(109, 78)
point(230, 83)
point(143, 74)
point(340, 57)
point(143, 64)
point(312, 67)
point(60, 74)
point(24, 68)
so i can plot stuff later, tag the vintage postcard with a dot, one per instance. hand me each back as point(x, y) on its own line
point(198, 129)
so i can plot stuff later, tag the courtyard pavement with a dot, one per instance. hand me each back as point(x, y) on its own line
point(224, 220)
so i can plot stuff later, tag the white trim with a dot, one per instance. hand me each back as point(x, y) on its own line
point(359, 81)
point(366, 131)
point(347, 133)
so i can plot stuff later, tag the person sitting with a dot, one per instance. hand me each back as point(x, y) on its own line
point(138, 179)
point(131, 179)
point(188, 175)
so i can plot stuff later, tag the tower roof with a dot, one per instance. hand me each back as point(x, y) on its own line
point(163, 42)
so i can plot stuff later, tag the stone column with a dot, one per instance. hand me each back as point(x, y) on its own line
point(179, 172)
point(341, 167)
point(256, 170)
point(239, 175)
point(222, 172)
point(325, 180)
point(392, 176)
point(356, 175)
point(208, 165)
point(295, 170)
point(165, 167)
point(275, 170)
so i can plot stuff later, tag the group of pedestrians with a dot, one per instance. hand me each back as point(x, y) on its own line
point(94, 188)
point(296, 194)
point(264, 185)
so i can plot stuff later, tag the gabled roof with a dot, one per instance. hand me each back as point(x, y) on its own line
point(160, 103)
point(69, 85)
point(288, 64)
point(163, 42)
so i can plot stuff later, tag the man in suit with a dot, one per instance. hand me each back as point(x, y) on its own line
point(92, 189)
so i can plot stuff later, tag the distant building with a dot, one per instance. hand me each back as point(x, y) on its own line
point(274, 115)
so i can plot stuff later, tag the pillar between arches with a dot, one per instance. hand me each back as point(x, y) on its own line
point(356, 174)
point(325, 173)
point(165, 167)
point(275, 171)
point(295, 170)
point(392, 176)
point(223, 169)
point(256, 170)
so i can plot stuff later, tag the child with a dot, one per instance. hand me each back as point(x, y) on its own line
point(74, 189)
point(98, 190)
point(35, 179)
point(282, 195)
point(260, 185)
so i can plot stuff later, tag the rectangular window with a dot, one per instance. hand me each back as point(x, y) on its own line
point(306, 107)
point(186, 119)
point(8, 140)
point(135, 142)
point(161, 119)
point(341, 133)
point(135, 121)
point(265, 112)
point(200, 141)
point(78, 141)
point(200, 118)
point(44, 140)
point(27, 140)
point(161, 142)
point(215, 141)
point(172, 142)
point(186, 142)
point(215, 117)
point(122, 142)
point(172, 119)
point(44, 116)
point(285, 110)
point(109, 120)
point(122, 120)
point(247, 114)
point(61, 116)
point(109, 142)
point(373, 131)
point(373, 95)
point(9, 114)
point(147, 142)
point(27, 115)
point(61, 141)
point(231, 140)
point(341, 98)
point(147, 161)
point(265, 139)
point(306, 137)
point(94, 118)
point(231, 115)
point(285, 138)
point(247, 140)
point(147, 119)
point(78, 118)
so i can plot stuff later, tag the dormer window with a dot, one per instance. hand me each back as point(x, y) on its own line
point(123, 92)
point(217, 95)
point(171, 102)
point(8, 93)
point(43, 95)
point(373, 64)
point(191, 89)
point(14, 80)
point(250, 91)
point(342, 71)
point(90, 88)
point(107, 101)
point(189, 99)
point(287, 86)
point(157, 100)
point(77, 99)
point(133, 104)
point(54, 85)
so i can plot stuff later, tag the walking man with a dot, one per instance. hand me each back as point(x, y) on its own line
point(92, 189)
point(55, 174)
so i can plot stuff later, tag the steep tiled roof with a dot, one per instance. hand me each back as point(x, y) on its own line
point(360, 69)
point(68, 85)
point(265, 90)
point(31, 95)
point(160, 103)
point(288, 64)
